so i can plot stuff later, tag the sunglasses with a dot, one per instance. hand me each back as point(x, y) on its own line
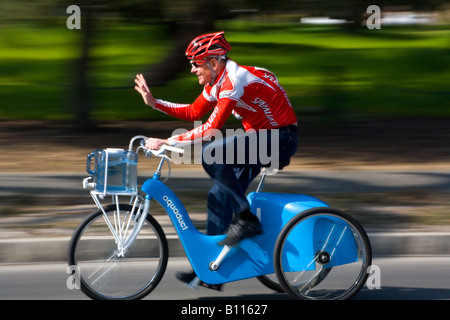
point(197, 63)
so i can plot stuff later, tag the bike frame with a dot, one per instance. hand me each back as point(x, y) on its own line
point(253, 256)
point(215, 264)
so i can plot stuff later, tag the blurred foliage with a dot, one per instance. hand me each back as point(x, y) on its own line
point(330, 71)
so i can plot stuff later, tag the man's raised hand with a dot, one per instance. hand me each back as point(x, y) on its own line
point(142, 88)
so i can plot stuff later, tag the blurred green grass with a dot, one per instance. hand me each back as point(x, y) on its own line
point(392, 72)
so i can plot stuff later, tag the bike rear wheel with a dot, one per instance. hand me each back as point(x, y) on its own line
point(105, 271)
point(271, 282)
point(322, 253)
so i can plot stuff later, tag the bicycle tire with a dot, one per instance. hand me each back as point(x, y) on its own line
point(83, 254)
point(324, 281)
point(270, 283)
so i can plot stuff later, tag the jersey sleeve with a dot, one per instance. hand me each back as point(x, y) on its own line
point(189, 112)
point(221, 112)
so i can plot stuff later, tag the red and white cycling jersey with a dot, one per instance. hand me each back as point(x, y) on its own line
point(252, 94)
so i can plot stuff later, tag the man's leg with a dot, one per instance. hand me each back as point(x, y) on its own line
point(219, 212)
point(232, 178)
point(219, 209)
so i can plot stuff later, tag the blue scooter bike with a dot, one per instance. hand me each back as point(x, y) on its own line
point(308, 249)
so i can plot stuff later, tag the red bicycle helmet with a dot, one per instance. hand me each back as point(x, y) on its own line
point(211, 44)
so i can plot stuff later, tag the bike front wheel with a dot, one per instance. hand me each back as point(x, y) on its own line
point(322, 253)
point(108, 272)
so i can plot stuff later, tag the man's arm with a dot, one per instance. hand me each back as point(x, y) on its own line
point(207, 130)
point(189, 112)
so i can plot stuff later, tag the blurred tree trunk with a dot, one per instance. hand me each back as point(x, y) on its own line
point(81, 93)
point(201, 21)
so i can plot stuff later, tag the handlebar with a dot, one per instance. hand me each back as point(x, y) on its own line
point(161, 153)
point(148, 152)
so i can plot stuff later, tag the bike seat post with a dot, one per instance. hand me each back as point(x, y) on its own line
point(261, 181)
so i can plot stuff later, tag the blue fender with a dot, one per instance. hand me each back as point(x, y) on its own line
point(318, 233)
point(276, 209)
point(334, 236)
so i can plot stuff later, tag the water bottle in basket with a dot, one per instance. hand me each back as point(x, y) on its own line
point(114, 171)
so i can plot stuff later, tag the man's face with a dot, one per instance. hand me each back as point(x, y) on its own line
point(202, 71)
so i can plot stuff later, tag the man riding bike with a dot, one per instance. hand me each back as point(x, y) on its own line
point(253, 95)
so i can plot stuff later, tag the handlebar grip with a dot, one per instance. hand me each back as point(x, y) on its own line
point(162, 149)
point(173, 149)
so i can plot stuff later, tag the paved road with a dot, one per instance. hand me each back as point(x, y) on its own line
point(405, 278)
point(312, 182)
